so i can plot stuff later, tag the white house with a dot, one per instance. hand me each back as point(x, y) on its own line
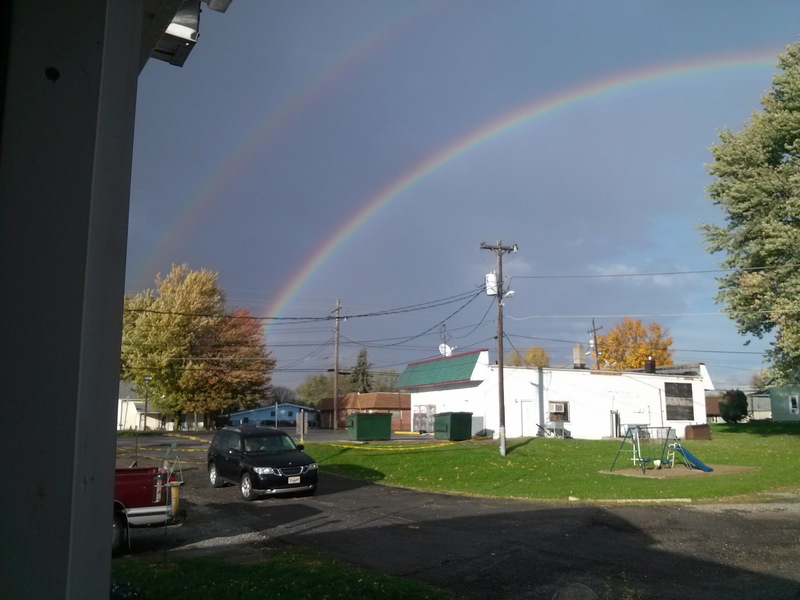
point(131, 408)
point(131, 413)
point(577, 403)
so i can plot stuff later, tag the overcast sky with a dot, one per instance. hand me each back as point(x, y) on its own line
point(363, 150)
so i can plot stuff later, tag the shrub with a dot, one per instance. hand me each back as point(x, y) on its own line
point(733, 406)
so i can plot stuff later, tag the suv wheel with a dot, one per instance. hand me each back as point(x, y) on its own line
point(213, 476)
point(246, 486)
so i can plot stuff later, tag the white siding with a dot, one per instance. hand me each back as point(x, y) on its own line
point(589, 397)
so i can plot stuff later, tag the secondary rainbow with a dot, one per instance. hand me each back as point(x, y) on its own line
point(537, 109)
point(194, 207)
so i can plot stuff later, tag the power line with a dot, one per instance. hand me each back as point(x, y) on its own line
point(391, 311)
point(657, 273)
point(640, 315)
point(440, 323)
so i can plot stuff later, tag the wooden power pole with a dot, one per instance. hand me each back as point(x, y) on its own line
point(499, 250)
point(336, 366)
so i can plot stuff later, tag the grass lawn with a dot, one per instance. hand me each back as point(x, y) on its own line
point(291, 573)
point(557, 470)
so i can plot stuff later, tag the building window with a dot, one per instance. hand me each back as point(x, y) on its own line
point(558, 411)
point(794, 408)
point(272, 413)
point(290, 413)
point(679, 401)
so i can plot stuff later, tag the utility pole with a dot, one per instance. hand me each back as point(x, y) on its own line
point(336, 366)
point(499, 250)
point(593, 331)
point(147, 380)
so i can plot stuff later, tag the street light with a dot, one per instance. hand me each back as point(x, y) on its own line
point(147, 380)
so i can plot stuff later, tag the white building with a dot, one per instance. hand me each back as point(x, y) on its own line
point(575, 403)
point(131, 414)
point(131, 408)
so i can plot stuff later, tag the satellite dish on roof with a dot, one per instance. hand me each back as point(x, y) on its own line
point(445, 350)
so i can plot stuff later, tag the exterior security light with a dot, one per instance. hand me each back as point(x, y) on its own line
point(170, 29)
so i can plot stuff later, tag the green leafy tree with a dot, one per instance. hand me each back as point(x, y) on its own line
point(757, 185)
point(733, 406)
point(533, 357)
point(315, 388)
point(629, 344)
point(384, 380)
point(200, 356)
point(319, 386)
point(361, 377)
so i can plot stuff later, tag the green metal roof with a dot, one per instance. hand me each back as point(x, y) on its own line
point(438, 371)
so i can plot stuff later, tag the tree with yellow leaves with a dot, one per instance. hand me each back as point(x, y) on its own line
point(629, 344)
point(534, 357)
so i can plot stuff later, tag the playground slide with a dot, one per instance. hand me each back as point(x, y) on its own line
point(695, 462)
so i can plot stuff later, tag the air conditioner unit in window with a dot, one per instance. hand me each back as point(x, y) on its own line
point(556, 407)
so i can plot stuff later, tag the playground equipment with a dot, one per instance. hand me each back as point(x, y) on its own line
point(690, 459)
point(656, 447)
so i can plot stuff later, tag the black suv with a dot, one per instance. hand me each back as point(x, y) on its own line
point(260, 460)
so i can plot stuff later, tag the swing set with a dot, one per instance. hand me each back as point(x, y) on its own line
point(654, 448)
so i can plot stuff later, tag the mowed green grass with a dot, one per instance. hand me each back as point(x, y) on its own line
point(548, 469)
point(287, 573)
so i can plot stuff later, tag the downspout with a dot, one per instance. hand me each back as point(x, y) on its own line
point(540, 430)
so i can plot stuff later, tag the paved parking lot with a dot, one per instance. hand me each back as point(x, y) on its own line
point(485, 548)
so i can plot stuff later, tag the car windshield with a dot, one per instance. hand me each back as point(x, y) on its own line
point(268, 443)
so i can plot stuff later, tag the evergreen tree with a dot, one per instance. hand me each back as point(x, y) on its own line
point(361, 378)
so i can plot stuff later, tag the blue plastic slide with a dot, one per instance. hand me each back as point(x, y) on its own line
point(694, 462)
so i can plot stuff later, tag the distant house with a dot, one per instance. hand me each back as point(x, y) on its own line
point(274, 415)
point(713, 398)
point(579, 403)
point(785, 403)
point(396, 403)
point(131, 413)
point(759, 406)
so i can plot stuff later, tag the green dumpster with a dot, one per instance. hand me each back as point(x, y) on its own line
point(369, 426)
point(453, 426)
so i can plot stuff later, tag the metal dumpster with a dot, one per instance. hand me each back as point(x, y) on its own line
point(369, 426)
point(453, 426)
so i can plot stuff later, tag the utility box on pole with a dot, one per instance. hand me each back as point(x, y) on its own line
point(491, 284)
